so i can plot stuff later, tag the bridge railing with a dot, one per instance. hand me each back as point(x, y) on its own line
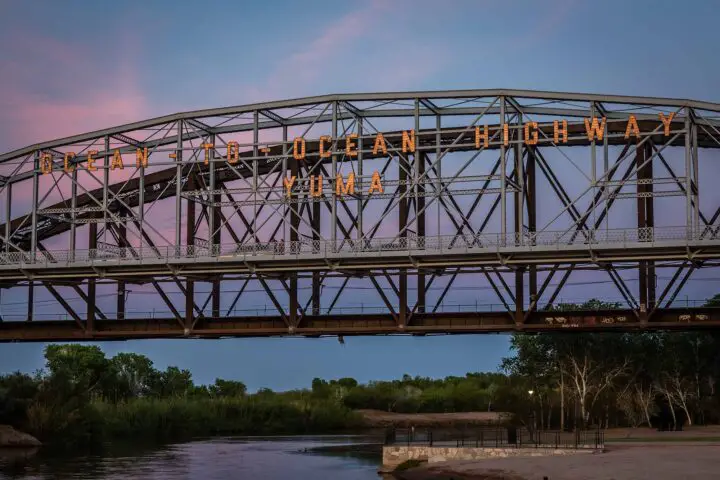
point(18, 312)
point(350, 247)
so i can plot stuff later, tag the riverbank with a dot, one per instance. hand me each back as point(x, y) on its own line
point(621, 462)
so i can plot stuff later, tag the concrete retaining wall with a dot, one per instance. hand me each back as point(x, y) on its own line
point(395, 455)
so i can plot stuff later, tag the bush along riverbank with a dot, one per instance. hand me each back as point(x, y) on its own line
point(157, 420)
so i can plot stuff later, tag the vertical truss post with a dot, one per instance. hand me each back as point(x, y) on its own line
point(696, 190)
point(8, 215)
point(255, 174)
point(294, 248)
point(106, 183)
point(141, 201)
point(519, 210)
point(92, 282)
point(179, 187)
point(503, 184)
point(531, 194)
point(315, 223)
point(284, 173)
point(420, 159)
point(403, 165)
point(31, 300)
point(593, 161)
point(35, 188)
point(121, 284)
point(73, 215)
point(646, 222)
point(333, 134)
point(215, 235)
point(190, 242)
point(359, 226)
point(438, 168)
point(420, 202)
point(688, 174)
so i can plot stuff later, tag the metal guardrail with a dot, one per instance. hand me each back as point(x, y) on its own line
point(592, 239)
point(509, 437)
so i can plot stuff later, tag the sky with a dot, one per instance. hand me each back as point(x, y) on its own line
point(75, 66)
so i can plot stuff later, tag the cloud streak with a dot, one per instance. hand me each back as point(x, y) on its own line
point(53, 89)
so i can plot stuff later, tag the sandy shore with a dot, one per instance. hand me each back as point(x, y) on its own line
point(621, 462)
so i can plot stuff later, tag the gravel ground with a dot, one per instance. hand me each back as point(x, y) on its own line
point(646, 462)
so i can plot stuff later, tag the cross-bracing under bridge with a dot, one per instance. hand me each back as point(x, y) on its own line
point(421, 212)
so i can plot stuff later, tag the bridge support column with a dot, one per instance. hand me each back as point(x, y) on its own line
point(421, 229)
point(531, 216)
point(92, 292)
point(519, 210)
point(646, 221)
point(31, 300)
point(294, 226)
point(121, 284)
point(403, 166)
point(316, 282)
point(190, 241)
point(215, 234)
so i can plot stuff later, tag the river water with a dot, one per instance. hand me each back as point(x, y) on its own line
point(218, 458)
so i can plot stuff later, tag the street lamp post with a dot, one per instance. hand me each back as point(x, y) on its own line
point(533, 422)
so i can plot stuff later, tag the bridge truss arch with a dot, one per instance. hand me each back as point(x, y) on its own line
point(364, 214)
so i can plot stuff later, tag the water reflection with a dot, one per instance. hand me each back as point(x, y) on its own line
point(218, 458)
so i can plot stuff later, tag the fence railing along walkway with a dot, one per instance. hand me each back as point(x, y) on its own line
point(497, 438)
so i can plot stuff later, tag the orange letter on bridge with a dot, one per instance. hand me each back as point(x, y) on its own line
point(666, 122)
point(595, 130)
point(233, 152)
point(375, 183)
point(207, 147)
point(345, 189)
point(299, 148)
point(46, 163)
point(350, 145)
point(557, 131)
point(117, 161)
point(67, 158)
point(380, 144)
point(141, 157)
point(316, 188)
point(632, 127)
point(91, 161)
point(534, 139)
point(484, 136)
point(288, 183)
point(408, 141)
point(321, 147)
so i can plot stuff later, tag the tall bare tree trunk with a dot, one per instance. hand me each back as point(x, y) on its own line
point(562, 401)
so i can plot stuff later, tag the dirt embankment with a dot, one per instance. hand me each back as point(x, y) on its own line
point(377, 418)
point(643, 462)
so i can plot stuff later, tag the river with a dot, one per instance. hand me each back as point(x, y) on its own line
point(224, 458)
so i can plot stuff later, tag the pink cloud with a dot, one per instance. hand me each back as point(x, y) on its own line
point(52, 89)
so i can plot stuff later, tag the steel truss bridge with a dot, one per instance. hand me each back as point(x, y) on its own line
point(206, 232)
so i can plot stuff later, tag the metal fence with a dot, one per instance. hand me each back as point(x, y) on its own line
point(463, 243)
point(497, 438)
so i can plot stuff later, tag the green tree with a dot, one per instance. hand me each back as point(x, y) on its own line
point(227, 388)
point(134, 375)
